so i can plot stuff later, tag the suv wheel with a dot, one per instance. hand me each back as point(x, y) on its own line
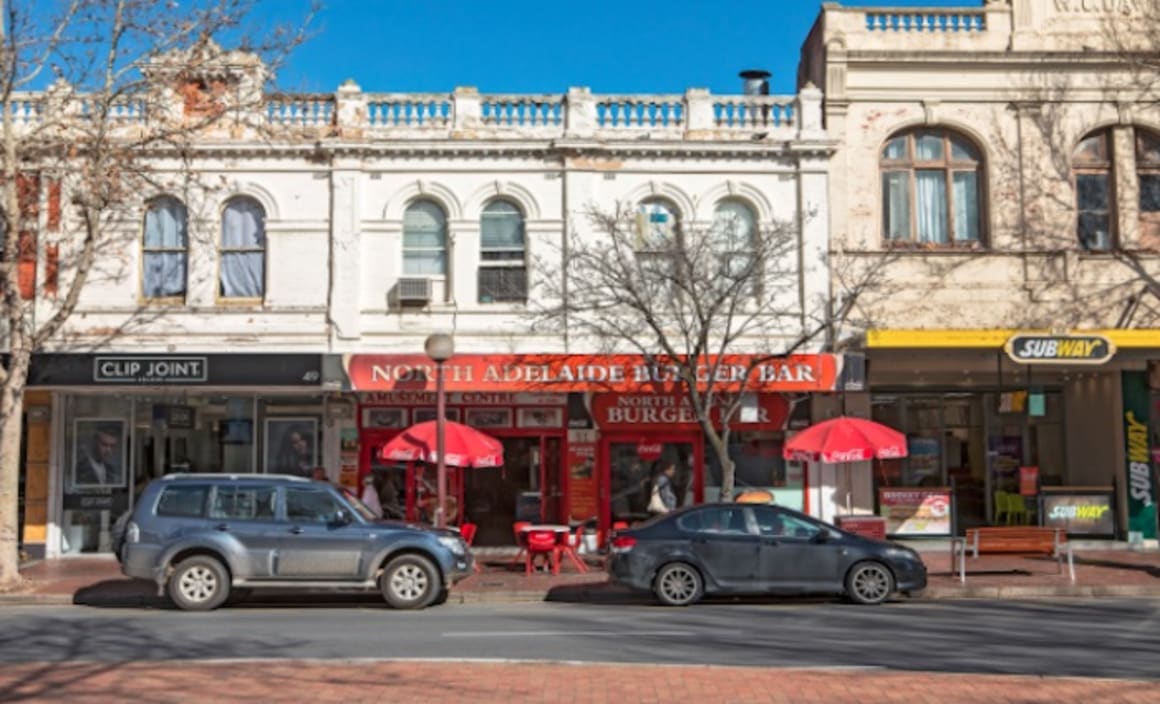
point(199, 583)
point(678, 584)
point(410, 582)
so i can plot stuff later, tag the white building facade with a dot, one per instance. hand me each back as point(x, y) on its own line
point(267, 311)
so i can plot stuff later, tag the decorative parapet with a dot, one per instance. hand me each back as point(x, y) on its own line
point(464, 113)
point(986, 28)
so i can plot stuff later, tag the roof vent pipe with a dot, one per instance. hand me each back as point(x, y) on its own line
point(755, 82)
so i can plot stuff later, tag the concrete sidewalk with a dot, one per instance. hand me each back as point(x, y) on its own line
point(98, 581)
point(469, 682)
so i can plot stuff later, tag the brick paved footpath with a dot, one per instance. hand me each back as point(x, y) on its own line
point(465, 683)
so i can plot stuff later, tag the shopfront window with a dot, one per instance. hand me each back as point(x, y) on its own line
point(96, 471)
point(758, 465)
point(635, 466)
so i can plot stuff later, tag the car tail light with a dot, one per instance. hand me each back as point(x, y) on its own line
point(132, 532)
point(623, 543)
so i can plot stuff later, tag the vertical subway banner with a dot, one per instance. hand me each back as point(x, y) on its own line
point(1141, 488)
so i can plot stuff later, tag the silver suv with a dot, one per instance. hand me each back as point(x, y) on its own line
point(203, 536)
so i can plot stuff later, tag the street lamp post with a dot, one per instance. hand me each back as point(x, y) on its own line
point(440, 348)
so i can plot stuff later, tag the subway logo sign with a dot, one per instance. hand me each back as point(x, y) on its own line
point(1060, 349)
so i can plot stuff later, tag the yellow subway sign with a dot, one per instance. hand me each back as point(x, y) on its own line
point(1060, 349)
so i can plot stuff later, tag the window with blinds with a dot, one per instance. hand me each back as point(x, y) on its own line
point(503, 272)
point(424, 240)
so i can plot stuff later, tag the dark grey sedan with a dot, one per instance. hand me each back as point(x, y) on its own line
point(753, 549)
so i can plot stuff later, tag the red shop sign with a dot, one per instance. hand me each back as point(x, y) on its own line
point(558, 373)
point(649, 451)
point(669, 410)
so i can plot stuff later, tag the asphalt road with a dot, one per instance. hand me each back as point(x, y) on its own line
point(1103, 638)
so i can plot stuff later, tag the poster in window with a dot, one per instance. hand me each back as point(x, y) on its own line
point(488, 417)
point(291, 445)
point(540, 417)
point(384, 418)
point(100, 453)
point(422, 415)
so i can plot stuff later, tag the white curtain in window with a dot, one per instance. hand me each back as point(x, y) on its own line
point(424, 239)
point(966, 184)
point(243, 264)
point(501, 231)
point(896, 204)
point(166, 244)
point(931, 205)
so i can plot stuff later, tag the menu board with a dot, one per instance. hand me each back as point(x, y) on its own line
point(916, 511)
point(582, 480)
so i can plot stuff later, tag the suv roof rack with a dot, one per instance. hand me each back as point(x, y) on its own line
point(236, 476)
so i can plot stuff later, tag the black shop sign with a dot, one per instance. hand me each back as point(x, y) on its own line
point(176, 370)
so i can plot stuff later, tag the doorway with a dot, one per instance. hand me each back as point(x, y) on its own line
point(528, 487)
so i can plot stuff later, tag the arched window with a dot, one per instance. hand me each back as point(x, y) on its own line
point(1092, 169)
point(1148, 175)
point(735, 236)
point(243, 250)
point(503, 272)
point(165, 249)
point(931, 189)
point(424, 239)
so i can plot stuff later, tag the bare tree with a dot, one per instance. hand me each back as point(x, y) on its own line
point(707, 305)
point(94, 95)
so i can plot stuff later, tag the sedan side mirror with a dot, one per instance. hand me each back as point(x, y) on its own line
point(822, 536)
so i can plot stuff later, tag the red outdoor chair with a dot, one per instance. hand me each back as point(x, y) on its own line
point(468, 531)
point(571, 543)
point(541, 542)
point(517, 528)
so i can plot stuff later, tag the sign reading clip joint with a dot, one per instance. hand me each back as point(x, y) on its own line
point(1060, 349)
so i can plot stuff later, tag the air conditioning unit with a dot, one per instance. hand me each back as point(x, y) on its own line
point(412, 292)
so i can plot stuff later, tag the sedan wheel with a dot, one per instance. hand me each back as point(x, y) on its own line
point(678, 584)
point(869, 583)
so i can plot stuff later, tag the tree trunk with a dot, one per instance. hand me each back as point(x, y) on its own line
point(721, 449)
point(11, 425)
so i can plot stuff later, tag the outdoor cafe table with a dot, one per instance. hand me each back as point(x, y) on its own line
point(562, 533)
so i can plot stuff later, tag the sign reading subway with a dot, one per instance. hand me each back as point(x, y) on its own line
point(1060, 349)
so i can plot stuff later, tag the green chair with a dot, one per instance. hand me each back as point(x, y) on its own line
point(1001, 507)
point(1016, 509)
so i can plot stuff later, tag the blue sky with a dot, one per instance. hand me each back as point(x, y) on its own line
point(544, 46)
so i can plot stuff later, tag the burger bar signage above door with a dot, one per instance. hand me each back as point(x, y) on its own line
point(1060, 349)
point(616, 373)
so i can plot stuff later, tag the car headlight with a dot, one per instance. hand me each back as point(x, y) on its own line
point(455, 545)
point(903, 554)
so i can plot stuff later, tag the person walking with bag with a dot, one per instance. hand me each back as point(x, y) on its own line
point(663, 498)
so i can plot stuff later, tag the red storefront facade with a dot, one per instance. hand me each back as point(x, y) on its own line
point(583, 435)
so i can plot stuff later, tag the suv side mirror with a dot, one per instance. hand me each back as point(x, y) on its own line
point(342, 517)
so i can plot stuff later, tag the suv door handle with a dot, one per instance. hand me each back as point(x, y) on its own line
point(770, 541)
point(297, 530)
point(221, 526)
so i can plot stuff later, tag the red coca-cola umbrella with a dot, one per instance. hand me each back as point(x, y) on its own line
point(845, 439)
point(463, 446)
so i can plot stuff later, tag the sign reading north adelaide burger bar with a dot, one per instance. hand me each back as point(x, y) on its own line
point(1060, 349)
point(561, 373)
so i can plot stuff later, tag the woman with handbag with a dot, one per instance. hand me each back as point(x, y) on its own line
point(663, 498)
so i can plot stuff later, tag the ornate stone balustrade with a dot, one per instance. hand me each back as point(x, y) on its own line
point(464, 114)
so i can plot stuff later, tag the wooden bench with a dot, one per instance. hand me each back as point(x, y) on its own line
point(1014, 540)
